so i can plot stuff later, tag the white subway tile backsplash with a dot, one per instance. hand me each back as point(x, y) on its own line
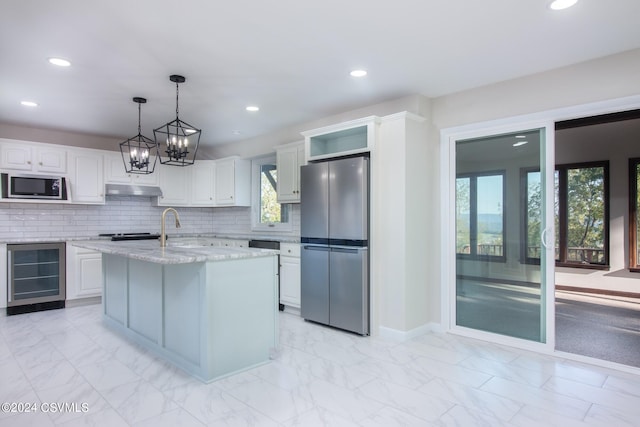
point(121, 214)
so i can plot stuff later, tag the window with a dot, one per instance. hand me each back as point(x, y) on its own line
point(581, 215)
point(634, 211)
point(267, 213)
point(480, 218)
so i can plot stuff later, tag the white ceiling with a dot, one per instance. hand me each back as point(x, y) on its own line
point(290, 57)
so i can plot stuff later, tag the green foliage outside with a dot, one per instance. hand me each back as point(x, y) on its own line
point(585, 215)
point(270, 209)
point(585, 208)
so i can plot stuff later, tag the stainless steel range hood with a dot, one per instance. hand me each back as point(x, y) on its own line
point(132, 190)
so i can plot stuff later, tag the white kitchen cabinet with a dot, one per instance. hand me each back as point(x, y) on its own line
point(233, 182)
point(353, 137)
point(3, 275)
point(87, 178)
point(203, 176)
point(237, 243)
point(84, 273)
point(290, 275)
point(39, 158)
point(289, 159)
point(115, 173)
point(175, 182)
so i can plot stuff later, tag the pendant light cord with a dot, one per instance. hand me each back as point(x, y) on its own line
point(139, 114)
point(177, 93)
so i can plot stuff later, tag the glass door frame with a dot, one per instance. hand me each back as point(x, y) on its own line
point(448, 237)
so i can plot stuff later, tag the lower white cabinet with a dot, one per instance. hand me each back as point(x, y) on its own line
point(290, 274)
point(230, 243)
point(84, 273)
point(3, 275)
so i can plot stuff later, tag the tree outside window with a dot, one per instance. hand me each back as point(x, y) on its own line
point(582, 216)
point(634, 214)
point(268, 214)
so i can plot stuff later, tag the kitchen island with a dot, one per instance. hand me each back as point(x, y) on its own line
point(212, 311)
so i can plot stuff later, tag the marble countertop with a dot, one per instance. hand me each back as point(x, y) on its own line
point(176, 253)
point(234, 236)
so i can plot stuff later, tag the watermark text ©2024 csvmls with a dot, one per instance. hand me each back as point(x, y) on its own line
point(26, 407)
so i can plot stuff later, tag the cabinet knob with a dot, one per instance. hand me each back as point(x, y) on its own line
point(289, 250)
point(28, 162)
point(40, 163)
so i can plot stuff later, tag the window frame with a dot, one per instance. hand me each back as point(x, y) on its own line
point(634, 266)
point(563, 221)
point(473, 216)
point(256, 224)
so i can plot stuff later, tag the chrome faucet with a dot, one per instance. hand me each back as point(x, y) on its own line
point(163, 237)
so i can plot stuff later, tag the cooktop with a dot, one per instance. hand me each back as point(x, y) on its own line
point(130, 236)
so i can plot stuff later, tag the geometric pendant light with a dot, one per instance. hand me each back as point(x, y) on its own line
point(139, 153)
point(177, 141)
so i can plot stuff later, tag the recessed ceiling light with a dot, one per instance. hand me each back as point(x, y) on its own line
point(253, 108)
point(190, 131)
point(519, 143)
point(236, 132)
point(521, 136)
point(358, 73)
point(59, 62)
point(562, 4)
point(29, 103)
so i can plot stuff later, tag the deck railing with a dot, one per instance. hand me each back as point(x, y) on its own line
point(574, 254)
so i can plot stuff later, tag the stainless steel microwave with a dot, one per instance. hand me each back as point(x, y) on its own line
point(16, 186)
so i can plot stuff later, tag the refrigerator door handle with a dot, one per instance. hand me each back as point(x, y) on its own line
point(345, 250)
point(316, 248)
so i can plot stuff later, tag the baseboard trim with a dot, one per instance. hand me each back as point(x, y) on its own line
point(291, 310)
point(401, 336)
point(83, 301)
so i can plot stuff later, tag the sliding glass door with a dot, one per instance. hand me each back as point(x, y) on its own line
point(501, 231)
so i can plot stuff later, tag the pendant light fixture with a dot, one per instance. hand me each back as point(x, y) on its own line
point(139, 153)
point(177, 141)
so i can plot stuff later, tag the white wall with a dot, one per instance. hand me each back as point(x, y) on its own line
point(611, 77)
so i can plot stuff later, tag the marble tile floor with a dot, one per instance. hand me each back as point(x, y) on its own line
point(319, 377)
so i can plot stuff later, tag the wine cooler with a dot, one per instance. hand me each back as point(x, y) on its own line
point(36, 277)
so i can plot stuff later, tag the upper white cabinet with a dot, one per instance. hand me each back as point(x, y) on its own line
point(24, 156)
point(203, 176)
point(115, 172)
point(233, 182)
point(87, 177)
point(289, 158)
point(175, 182)
point(356, 136)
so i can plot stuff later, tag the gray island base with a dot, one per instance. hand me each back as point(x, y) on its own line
point(212, 317)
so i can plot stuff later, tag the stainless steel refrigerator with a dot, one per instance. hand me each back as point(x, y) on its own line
point(334, 211)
